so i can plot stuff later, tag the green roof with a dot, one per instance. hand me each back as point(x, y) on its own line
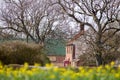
point(55, 47)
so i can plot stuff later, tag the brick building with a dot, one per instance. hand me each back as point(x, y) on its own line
point(73, 49)
point(56, 51)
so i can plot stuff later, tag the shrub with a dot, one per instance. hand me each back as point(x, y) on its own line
point(17, 52)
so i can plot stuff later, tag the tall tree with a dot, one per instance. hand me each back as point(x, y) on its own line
point(96, 14)
point(36, 19)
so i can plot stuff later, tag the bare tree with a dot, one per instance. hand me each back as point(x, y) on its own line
point(110, 48)
point(96, 14)
point(34, 18)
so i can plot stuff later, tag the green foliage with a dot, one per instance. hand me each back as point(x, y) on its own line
point(17, 52)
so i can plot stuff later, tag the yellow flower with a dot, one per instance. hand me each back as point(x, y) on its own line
point(90, 71)
point(29, 72)
point(37, 65)
point(112, 63)
point(55, 69)
point(52, 76)
point(103, 71)
point(113, 71)
point(61, 69)
point(15, 73)
point(117, 75)
point(1, 71)
point(49, 65)
point(99, 68)
point(1, 66)
point(81, 68)
point(107, 67)
point(26, 65)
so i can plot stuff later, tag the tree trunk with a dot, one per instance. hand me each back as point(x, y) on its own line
point(27, 38)
point(99, 51)
point(99, 60)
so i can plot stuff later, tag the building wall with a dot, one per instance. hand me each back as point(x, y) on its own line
point(56, 59)
point(70, 52)
point(80, 47)
point(60, 59)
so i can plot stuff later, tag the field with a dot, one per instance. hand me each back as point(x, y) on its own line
point(107, 72)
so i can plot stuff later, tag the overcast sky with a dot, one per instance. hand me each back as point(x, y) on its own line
point(1, 2)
